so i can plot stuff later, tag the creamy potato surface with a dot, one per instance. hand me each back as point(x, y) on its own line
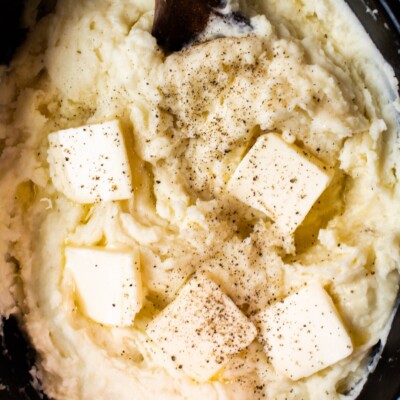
point(211, 253)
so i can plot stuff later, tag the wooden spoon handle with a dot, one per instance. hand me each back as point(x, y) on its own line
point(178, 22)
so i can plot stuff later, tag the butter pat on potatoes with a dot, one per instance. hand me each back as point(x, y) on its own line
point(281, 180)
point(304, 333)
point(201, 328)
point(107, 283)
point(90, 163)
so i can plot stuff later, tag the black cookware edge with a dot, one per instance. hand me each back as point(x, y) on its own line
point(381, 19)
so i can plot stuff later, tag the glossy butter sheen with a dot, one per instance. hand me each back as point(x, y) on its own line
point(201, 329)
point(90, 163)
point(281, 180)
point(303, 333)
point(107, 282)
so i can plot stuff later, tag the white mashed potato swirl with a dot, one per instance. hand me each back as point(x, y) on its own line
point(308, 72)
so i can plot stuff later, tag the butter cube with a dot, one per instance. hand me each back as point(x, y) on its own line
point(201, 328)
point(107, 283)
point(90, 163)
point(279, 179)
point(304, 333)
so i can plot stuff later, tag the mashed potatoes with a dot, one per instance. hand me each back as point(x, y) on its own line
point(307, 73)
